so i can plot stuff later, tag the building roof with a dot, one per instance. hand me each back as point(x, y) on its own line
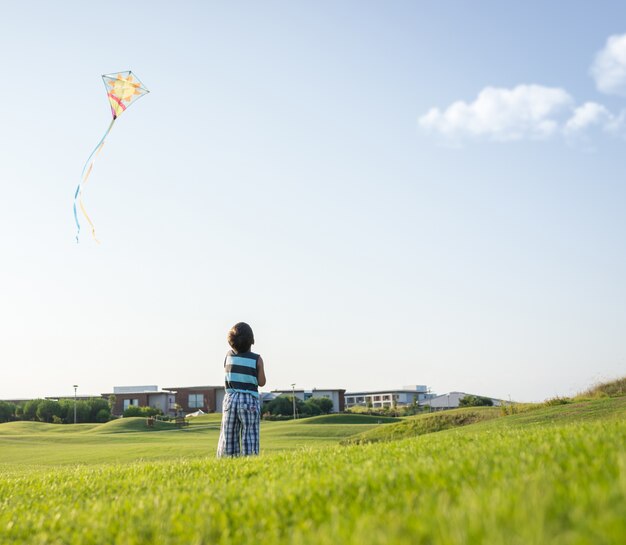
point(390, 391)
point(300, 391)
point(221, 387)
point(145, 392)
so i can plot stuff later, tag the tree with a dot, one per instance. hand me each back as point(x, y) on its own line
point(7, 411)
point(98, 404)
point(283, 406)
point(67, 410)
point(48, 409)
point(83, 411)
point(104, 415)
point(30, 409)
point(319, 405)
point(475, 401)
point(134, 410)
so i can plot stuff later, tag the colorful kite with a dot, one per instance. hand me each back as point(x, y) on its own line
point(123, 88)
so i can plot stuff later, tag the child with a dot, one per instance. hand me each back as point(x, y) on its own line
point(241, 411)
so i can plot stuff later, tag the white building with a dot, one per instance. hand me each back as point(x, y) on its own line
point(377, 399)
point(335, 395)
point(143, 396)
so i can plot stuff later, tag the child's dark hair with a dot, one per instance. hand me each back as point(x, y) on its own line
point(240, 337)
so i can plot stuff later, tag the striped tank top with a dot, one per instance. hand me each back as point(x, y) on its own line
point(241, 373)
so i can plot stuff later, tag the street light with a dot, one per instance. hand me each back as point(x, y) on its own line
point(293, 398)
point(75, 387)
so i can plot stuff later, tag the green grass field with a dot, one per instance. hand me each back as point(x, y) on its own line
point(550, 475)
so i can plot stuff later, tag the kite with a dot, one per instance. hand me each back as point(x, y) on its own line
point(122, 88)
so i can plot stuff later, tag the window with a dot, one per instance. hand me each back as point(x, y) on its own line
point(129, 402)
point(387, 398)
point(360, 400)
point(376, 398)
point(196, 401)
point(349, 400)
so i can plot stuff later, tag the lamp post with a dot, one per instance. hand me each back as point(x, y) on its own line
point(293, 398)
point(75, 388)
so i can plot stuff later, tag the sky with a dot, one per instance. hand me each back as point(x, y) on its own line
point(390, 193)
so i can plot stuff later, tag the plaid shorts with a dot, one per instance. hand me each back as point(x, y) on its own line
point(240, 425)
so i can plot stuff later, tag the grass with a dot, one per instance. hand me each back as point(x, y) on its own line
point(613, 388)
point(587, 410)
point(426, 423)
point(549, 475)
point(128, 439)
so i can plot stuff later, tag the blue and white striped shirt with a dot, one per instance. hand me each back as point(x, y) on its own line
point(241, 373)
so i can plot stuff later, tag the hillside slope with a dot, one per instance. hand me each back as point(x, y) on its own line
point(531, 485)
point(493, 417)
point(426, 423)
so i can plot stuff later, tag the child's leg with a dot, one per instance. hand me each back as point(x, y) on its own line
point(230, 432)
point(250, 416)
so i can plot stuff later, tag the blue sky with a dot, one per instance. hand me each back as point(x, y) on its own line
point(389, 193)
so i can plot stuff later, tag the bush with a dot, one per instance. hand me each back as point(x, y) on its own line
point(134, 410)
point(30, 409)
point(318, 405)
point(557, 401)
point(104, 415)
point(613, 388)
point(283, 405)
point(48, 409)
point(7, 411)
point(97, 405)
point(475, 401)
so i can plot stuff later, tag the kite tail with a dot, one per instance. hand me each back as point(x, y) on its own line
point(83, 180)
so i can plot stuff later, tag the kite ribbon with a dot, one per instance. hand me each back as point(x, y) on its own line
point(83, 180)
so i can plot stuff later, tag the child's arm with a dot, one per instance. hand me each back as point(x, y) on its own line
point(260, 371)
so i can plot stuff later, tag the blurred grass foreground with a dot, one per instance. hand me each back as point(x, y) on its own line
point(552, 473)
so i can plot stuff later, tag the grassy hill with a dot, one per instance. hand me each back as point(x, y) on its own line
point(613, 388)
point(553, 475)
point(427, 423)
point(494, 417)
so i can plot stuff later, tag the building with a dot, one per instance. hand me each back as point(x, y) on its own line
point(378, 399)
point(336, 395)
point(452, 400)
point(142, 396)
point(206, 398)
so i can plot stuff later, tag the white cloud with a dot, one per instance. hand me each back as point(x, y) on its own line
point(525, 111)
point(609, 66)
point(588, 115)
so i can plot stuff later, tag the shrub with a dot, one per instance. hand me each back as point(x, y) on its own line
point(283, 405)
point(613, 388)
point(319, 405)
point(104, 415)
point(48, 409)
point(134, 410)
point(30, 409)
point(96, 406)
point(557, 401)
point(475, 401)
point(7, 411)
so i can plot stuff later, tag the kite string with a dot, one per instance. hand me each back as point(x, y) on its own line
point(83, 180)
